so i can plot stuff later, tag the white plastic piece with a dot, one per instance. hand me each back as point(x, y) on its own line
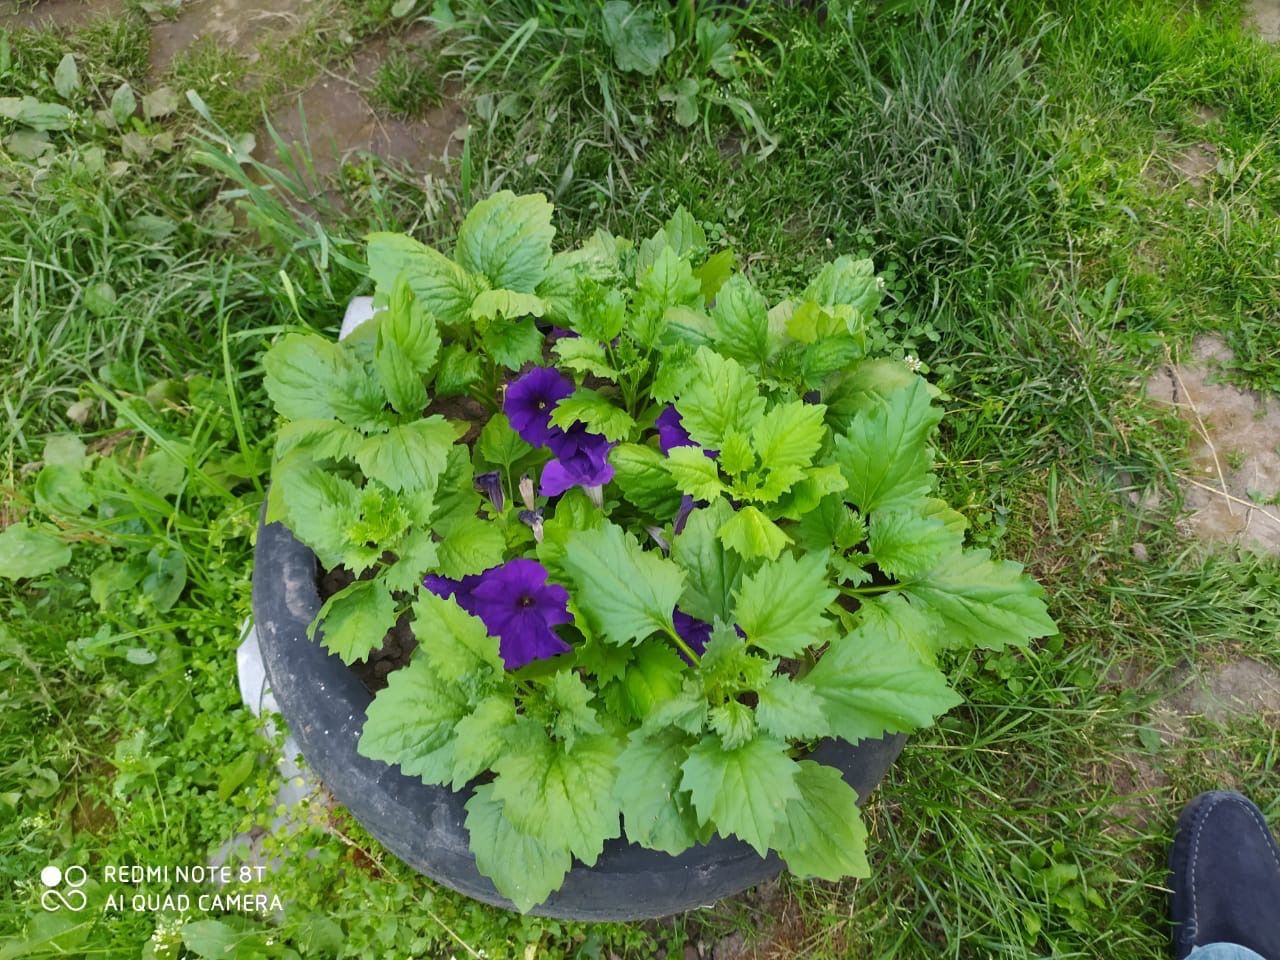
point(359, 310)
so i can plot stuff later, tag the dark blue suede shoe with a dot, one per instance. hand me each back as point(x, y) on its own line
point(1224, 877)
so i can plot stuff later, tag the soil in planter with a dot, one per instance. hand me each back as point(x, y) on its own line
point(397, 646)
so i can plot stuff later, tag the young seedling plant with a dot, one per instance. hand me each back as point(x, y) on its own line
point(655, 537)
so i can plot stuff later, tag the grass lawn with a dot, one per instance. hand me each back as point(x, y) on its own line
point(1062, 196)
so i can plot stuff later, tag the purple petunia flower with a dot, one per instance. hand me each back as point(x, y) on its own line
point(460, 590)
point(490, 484)
point(520, 607)
point(671, 431)
point(530, 400)
point(582, 460)
point(692, 631)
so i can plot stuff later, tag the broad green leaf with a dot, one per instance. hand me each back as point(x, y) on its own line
point(655, 812)
point(508, 240)
point(745, 791)
point(829, 356)
point(687, 711)
point(408, 345)
point(481, 737)
point(736, 456)
point(846, 281)
point(903, 623)
point(408, 456)
point(571, 713)
point(789, 434)
point(790, 710)
point(412, 722)
point(637, 36)
point(752, 534)
point(563, 798)
point(713, 572)
point(311, 378)
point(165, 578)
point(694, 473)
point(354, 621)
point(822, 834)
point(830, 524)
point(782, 606)
point(513, 343)
point(442, 287)
point(595, 412)
point(506, 303)
point(123, 104)
point(870, 685)
point(27, 551)
point(719, 396)
point(715, 273)
point(525, 870)
point(653, 677)
point(416, 555)
point(319, 439)
point(983, 602)
point(65, 450)
point(641, 474)
point(668, 283)
point(625, 592)
point(61, 491)
point(885, 455)
point(66, 79)
point(584, 355)
point(499, 444)
point(734, 723)
point(905, 544)
point(806, 494)
point(742, 321)
point(453, 642)
point(470, 545)
point(728, 667)
point(319, 506)
point(459, 369)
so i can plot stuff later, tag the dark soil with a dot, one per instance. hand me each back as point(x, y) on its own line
point(397, 645)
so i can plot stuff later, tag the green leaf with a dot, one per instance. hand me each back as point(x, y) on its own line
point(638, 39)
point(694, 473)
point(653, 677)
point(66, 79)
point(416, 554)
point(311, 378)
point(713, 573)
point(355, 620)
point(742, 321)
point(655, 812)
point(745, 791)
point(319, 439)
point(492, 304)
point(595, 412)
point(719, 396)
point(715, 273)
point(508, 240)
point(65, 450)
point(625, 592)
point(569, 702)
point(684, 94)
point(165, 578)
point(525, 870)
point(123, 104)
point(822, 834)
point(885, 455)
point(830, 524)
point(781, 607)
point(668, 283)
point(411, 456)
point(789, 434)
point(453, 642)
point(846, 281)
point(734, 723)
point(871, 685)
point(513, 343)
point(481, 737)
point(27, 551)
point(412, 722)
point(408, 345)
point(61, 491)
point(459, 369)
point(905, 544)
point(319, 506)
point(563, 798)
point(686, 711)
point(790, 711)
point(442, 287)
point(982, 602)
point(752, 534)
point(499, 444)
point(584, 355)
point(470, 545)
point(904, 623)
point(641, 474)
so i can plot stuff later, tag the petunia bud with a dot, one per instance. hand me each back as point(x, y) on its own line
point(490, 484)
point(659, 538)
point(533, 520)
point(596, 495)
point(526, 491)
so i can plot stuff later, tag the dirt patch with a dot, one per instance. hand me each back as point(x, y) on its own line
point(1264, 17)
point(1196, 163)
point(239, 25)
point(1235, 450)
point(1203, 115)
point(55, 13)
point(334, 117)
point(1237, 689)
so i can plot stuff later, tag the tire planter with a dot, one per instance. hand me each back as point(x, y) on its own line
point(324, 704)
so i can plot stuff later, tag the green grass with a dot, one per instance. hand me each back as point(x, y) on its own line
point(1009, 166)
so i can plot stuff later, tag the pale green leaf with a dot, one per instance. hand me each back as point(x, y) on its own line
point(408, 345)
point(734, 723)
point(525, 870)
point(782, 606)
point(718, 396)
point(597, 413)
point(311, 378)
point(469, 545)
point(499, 444)
point(752, 534)
point(694, 473)
point(822, 834)
point(412, 722)
point(846, 281)
point(637, 36)
point(506, 303)
point(905, 544)
point(66, 79)
point(355, 620)
point(513, 343)
point(741, 319)
point(442, 287)
point(641, 474)
point(481, 736)
point(654, 676)
point(408, 456)
point(508, 239)
point(743, 792)
point(453, 642)
point(27, 551)
point(885, 455)
point(790, 710)
point(713, 572)
point(657, 814)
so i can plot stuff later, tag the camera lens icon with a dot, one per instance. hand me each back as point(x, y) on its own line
point(73, 898)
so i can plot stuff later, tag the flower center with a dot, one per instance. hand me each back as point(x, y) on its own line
point(542, 405)
point(525, 602)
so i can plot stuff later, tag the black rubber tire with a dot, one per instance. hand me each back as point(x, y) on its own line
point(324, 704)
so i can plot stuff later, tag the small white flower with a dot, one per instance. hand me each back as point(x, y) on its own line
point(879, 283)
point(913, 362)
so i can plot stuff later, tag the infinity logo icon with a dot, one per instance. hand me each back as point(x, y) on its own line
point(74, 899)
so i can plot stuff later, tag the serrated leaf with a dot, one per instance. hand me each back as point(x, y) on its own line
point(822, 834)
point(752, 534)
point(27, 551)
point(507, 239)
point(453, 642)
point(625, 592)
point(442, 287)
point(513, 343)
point(718, 396)
point(655, 812)
point(318, 439)
point(319, 506)
point(904, 623)
point(781, 607)
point(668, 283)
point(714, 273)
point(846, 281)
point(569, 700)
point(595, 412)
point(741, 319)
point(410, 455)
point(412, 722)
point(654, 676)
point(584, 355)
point(904, 543)
point(563, 798)
point(469, 545)
point(713, 572)
point(355, 620)
point(694, 473)
point(491, 304)
point(311, 378)
point(736, 456)
point(790, 711)
point(524, 869)
point(734, 723)
point(641, 474)
point(408, 345)
point(499, 444)
point(982, 602)
point(638, 39)
point(416, 555)
point(745, 791)
point(66, 78)
point(885, 454)
point(830, 524)
point(481, 736)
point(871, 685)
point(459, 369)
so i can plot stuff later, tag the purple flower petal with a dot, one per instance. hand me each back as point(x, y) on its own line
point(530, 400)
point(671, 431)
point(582, 460)
point(696, 633)
point(519, 607)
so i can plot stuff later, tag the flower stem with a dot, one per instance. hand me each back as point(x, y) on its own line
point(868, 591)
point(684, 647)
